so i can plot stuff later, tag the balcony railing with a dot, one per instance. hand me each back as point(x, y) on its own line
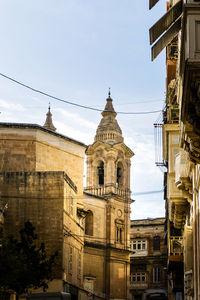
point(176, 246)
point(104, 190)
point(158, 137)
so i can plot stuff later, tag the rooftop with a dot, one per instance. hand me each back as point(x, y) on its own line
point(148, 222)
point(39, 127)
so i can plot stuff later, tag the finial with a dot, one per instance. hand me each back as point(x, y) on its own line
point(109, 92)
point(49, 106)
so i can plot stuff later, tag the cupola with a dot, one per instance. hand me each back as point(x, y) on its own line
point(108, 130)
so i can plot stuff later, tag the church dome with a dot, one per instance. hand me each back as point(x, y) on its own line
point(108, 130)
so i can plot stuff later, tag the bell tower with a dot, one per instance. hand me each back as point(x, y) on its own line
point(108, 189)
point(108, 158)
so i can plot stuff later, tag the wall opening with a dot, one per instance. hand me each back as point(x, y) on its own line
point(119, 179)
point(156, 243)
point(100, 172)
point(89, 223)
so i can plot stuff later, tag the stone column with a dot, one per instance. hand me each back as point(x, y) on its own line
point(127, 174)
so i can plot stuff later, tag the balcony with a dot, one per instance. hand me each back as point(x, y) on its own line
point(176, 247)
point(138, 280)
point(138, 285)
point(177, 203)
point(173, 114)
point(108, 189)
point(182, 174)
point(138, 253)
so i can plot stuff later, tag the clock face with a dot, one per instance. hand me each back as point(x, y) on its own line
point(119, 213)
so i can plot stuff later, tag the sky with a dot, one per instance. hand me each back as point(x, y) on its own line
point(76, 50)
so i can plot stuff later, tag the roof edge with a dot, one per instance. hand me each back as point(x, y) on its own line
point(39, 127)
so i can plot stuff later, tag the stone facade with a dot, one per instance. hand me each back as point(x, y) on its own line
point(148, 269)
point(29, 147)
point(181, 131)
point(107, 199)
point(41, 180)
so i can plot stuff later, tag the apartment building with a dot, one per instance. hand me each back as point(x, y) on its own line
point(148, 262)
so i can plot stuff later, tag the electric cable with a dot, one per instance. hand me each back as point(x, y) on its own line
point(72, 103)
point(148, 193)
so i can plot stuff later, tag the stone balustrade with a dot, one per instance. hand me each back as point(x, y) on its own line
point(104, 190)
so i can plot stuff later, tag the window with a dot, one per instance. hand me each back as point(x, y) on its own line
point(175, 152)
point(89, 223)
point(119, 234)
point(71, 206)
point(138, 268)
point(156, 275)
point(138, 245)
point(79, 265)
point(119, 231)
point(119, 174)
point(100, 169)
point(138, 277)
point(175, 139)
point(156, 243)
point(70, 258)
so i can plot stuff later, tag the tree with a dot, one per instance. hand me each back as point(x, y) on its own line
point(23, 265)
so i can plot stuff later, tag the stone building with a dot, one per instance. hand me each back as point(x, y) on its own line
point(38, 182)
point(148, 264)
point(181, 144)
point(107, 199)
point(41, 180)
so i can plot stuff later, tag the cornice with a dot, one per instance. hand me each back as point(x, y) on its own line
point(91, 148)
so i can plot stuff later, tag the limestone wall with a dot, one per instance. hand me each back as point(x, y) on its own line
point(32, 149)
point(36, 197)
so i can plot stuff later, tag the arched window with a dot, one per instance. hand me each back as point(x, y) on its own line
point(100, 172)
point(89, 223)
point(156, 243)
point(119, 174)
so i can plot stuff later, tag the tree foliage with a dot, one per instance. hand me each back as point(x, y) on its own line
point(23, 265)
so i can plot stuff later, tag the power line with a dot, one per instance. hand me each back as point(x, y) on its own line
point(139, 102)
point(147, 193)
point(72, 103)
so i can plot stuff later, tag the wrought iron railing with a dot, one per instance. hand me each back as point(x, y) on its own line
point(158, 141)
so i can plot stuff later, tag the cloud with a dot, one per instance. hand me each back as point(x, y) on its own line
point(73, 133)
point(76, 118)
point(11, 106)
point(145, 177)
point(144, 158)
point(151, 208)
